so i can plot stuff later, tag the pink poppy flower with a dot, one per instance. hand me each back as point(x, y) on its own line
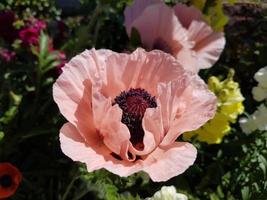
point(125, 112)
point(180, 31)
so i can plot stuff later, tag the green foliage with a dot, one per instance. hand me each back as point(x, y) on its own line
point(47, 60)
point(215, 15)
point(2, 135)
point(13, 108)
point(200, 4)
point(213, 11)
point(102, 185)
point(248, 180)
point(27, 8)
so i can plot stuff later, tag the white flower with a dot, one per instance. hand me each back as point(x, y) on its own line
point(257, 121)
point(261, 117)
point(260, 92)
point(168, 193)
point(261, 77)
point(247, 125)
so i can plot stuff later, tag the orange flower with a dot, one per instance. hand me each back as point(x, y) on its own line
point(10, 178)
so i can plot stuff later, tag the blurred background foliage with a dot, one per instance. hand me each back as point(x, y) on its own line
point(30, 121)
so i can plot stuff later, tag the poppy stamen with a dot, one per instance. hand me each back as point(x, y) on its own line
point(134, 103)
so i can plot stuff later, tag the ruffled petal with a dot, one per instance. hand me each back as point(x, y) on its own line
point(208, 43)
point(195, 106)
point(107, 120)
point(140, 69)
point(84, 119)
point(96, 156)
point(188, 59)
point(135, 10)
point(158, 23)
point(170, 161)
point(123, 168)
point(75, 147)
point(115, 134)
point(169, 100)
point(83, 70)
point(187, 14)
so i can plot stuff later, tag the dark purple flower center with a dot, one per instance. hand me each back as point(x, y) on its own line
point(5, 181)
point(134, 103)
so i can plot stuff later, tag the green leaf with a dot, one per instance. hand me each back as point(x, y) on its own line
point(214, 196)
point(245, 193)
point(1, 135)
point(43, 43)
point(263, 164)
point(12, 111)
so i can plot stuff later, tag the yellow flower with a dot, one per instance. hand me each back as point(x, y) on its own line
point(229, 106)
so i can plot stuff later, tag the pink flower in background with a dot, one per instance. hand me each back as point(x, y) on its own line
point(39, 24)
point(7, 55)
point(125, 112)
point(30, 34)
point(180, 31)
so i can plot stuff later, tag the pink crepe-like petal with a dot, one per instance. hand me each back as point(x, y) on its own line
point(169, 161)
point(188, 59)
point(153, 123)
point(208, 43)
point(107, 119)
point(75, 147)
point(140, 69)
point(115, 133)
point(169, 100)
point(187, 14)
point(100, 106)
point(135, 10)
point(69, 87)
point(196, 105)
point(123, 168)
point(96, 156)
point(84, 119)
point(73, 90)
point(158, 23)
